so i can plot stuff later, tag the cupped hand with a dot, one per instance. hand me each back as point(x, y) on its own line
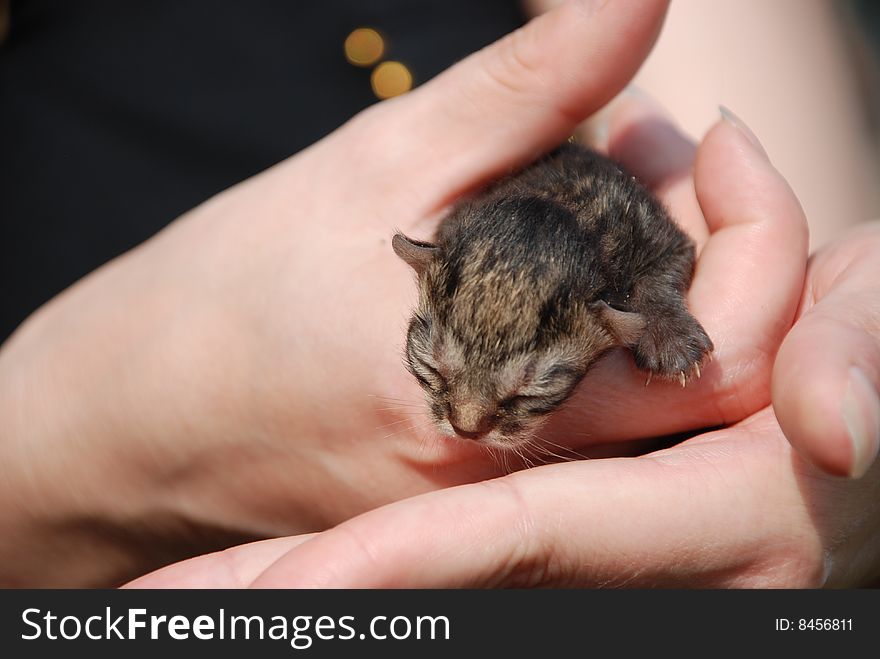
point(734, 507)
point(240, 374)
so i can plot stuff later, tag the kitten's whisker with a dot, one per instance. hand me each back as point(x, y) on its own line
point(424, 438)
point(551, 454)
point(564, 458)
point(530, 449)
point(397, 408)
point(414, 428)
point(384, 397)
point(492, 454)
point(385, 426)
point(504, 456)
point(415, 402)
point(518, 450)
point(395, 433)
point(576, 454)
point(540, 452)
point(395, 405)
point(502, 459)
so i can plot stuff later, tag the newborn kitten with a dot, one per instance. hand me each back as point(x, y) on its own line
point(530, 281)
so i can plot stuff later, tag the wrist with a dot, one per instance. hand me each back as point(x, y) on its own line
point(81, 432)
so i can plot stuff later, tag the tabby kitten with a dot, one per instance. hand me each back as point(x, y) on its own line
point(530, 281)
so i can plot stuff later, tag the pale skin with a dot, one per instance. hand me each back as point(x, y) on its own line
point(236, 370)
point(787, 67)
point(737, 507)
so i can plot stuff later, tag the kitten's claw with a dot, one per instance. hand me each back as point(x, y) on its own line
point(648, 381)
point(674, 349)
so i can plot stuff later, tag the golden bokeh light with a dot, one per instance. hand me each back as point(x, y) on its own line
point(391, 79)
point(4, 20)
point(364, 46)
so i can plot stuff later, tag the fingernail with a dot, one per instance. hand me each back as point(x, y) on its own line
point(631, 101)
point(735, 121)
point(634, 91)
point(861, 415)
point(595, 130)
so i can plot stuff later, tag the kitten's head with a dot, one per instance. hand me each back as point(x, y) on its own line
point(497, 343)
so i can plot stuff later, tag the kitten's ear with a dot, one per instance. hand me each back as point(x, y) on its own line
point(627, 327)
point(417, 254)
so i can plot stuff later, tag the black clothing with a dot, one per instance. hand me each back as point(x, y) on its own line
point(118, 116)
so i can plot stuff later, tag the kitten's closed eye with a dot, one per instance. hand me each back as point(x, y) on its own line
point(526, 405)
point(557, 376)
point(515, 402)
point(419, 357)
point(427, 375)
point(546, 390)
point(534, 405)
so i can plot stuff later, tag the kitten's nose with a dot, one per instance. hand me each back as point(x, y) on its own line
point(467, 434)
point(470, 420)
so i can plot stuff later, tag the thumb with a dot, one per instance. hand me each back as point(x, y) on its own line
point(827, 372)
point(511, 101)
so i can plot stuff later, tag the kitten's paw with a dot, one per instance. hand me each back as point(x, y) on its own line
point(673, 349)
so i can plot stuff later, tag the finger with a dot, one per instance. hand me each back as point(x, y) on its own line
point(745, 293)
point(602, 522)
point(643, 138)
point(232, 568)
point(827, 373)
point(750, 274)
point(511, 101)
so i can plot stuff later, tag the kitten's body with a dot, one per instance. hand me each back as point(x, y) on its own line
point(531, 280)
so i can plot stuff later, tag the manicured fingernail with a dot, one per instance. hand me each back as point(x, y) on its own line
point(734, 120)
point(861, 415)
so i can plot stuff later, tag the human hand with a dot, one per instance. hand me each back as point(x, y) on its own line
point(192, 395)
point(736, 507)
point(731, 508)
point(226, 379)
point(827, 373)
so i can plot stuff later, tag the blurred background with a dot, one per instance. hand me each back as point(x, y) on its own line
point(802, 74)
point(117, 117)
